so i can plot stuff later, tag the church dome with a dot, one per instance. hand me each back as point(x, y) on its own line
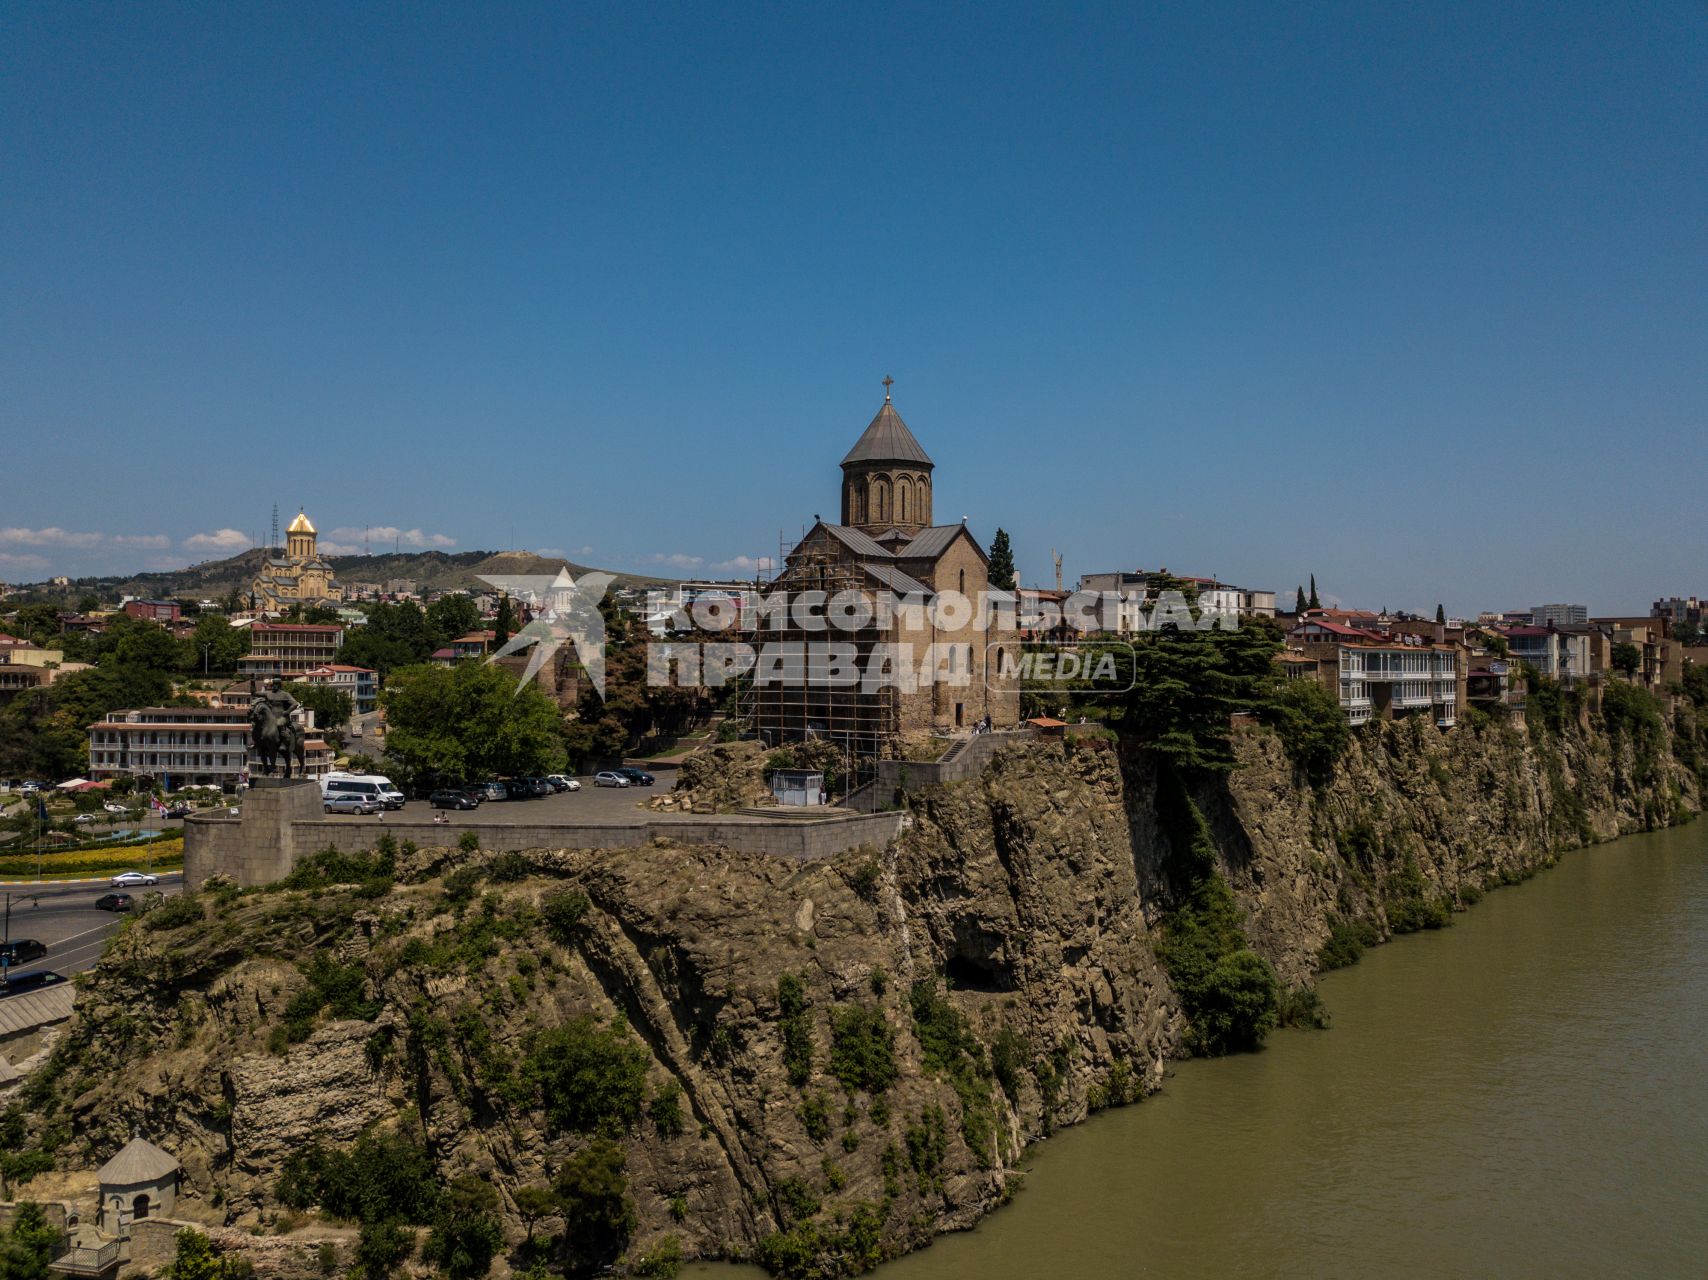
point(300, 524)
point(887, 439)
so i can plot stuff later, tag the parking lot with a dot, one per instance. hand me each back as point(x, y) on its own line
point(614, 805)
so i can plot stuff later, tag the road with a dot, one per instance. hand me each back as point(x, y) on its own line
point(64, 917)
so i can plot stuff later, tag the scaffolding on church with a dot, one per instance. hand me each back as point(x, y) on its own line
point(802, 705)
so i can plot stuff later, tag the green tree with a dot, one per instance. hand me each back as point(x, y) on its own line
point(452, 616)
point(197, 1259)
point(599, 1216)
point(28, 1247)
point(466, 1231)
point(145, 644)
point(471, 720)
point(395, 635)
point(1315, 603)
point(587, 1077)
point(1299, 605)
point(1187, 684)
point(221, 643)
point(506, 622)
point(1627, 659)
point(534, 1202)
point(1311, 726)
point(381, 1248)
point(1441, 613)
point(1002, 561)
point(332, 707)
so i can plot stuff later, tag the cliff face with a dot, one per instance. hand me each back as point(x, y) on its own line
point(861, 1048)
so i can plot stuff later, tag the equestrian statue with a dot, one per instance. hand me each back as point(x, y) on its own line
point(273, 729)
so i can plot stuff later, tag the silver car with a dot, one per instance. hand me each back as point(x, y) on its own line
point(609, 779)
point(351, 804)
point(133, 880)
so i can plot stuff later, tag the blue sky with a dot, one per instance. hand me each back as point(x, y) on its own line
point(1411, 297)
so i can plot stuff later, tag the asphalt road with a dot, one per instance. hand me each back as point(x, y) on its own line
point(65, 918)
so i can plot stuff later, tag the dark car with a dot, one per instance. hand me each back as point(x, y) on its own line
point(21, 951)
point(114, 902)
point(452, 800)
point(637, 777)
point(178, 811)
point(519, 789)
point(542, 786)
point(34, 980)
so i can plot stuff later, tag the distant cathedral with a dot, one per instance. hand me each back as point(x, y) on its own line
point(299, 576)
point(886, 542)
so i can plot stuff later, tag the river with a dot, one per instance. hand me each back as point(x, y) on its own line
point(1523, 1094)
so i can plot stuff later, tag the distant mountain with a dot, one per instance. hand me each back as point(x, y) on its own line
point(429, 570)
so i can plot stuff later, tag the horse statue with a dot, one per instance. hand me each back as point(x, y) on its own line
point(274, 732)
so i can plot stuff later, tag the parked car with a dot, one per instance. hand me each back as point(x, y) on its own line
point(133, 880)
point(85, 817)
point(520, 789)
point(637, 777)
point(30, 788)
point(114, 902)
point(452, 800)
point(542, 786)
point(494, 790)
point(179, 811)
point(113, 806)
point(21, 951)
point(563, 782)
point(34, 980)
point(352, 804)
point(609, 779)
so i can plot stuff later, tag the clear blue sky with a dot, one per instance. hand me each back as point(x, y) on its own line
point(1411, 297)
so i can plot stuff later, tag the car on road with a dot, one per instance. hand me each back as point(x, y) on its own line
point(34, 980)
point(178, 811)
point(453, 800)
point(133, 880)
point(21, 951)
point(348, 803)
point(563, 782)
point(637, 777)
point(113, 806)
point(81, 818)
point(610, 778)
point(114, 902)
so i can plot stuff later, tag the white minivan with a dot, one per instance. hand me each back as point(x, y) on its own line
point(376, 786)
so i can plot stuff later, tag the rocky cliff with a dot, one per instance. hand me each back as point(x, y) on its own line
point(813, 1065)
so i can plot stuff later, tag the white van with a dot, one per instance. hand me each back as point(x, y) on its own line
point(375, 786)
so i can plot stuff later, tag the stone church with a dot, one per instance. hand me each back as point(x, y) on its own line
point(886, 544)
point(299, 576)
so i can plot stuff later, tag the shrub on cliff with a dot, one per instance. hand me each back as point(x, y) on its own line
point(588, 1078)
point(1311, 726)
point(28, 1246)
point(1406, 901)
point(592, 1190)
point(197, 1259)
point(466, 1232)
point(796, 1026)
point(381, 1177)
point(862, 1049)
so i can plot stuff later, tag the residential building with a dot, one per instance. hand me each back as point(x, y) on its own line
point(1678, 609)
point(1136, 596)
point(165, 611)
point(25, 666)
point(299, 576)
point(726, 606)
point(1566, 654)
point(288, 649)
point(1558, 615)
point(1381, 678)
point(476, 644)
point(359, 683)
point(185, 746)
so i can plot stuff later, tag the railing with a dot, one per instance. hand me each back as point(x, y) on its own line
point(81, 1261)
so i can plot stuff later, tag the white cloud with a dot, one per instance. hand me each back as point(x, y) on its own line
point(224, 540)
point(10, 561)
point(746, 564)
point(147, 541)
point(677, 560)
point(53, 536)
point(353, 540)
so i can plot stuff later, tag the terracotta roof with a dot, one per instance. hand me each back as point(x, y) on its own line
point(137, 1161)
point(887, 439)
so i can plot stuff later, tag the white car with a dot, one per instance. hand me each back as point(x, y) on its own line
point(563, 782)
point(84, 817)
point(609, 779)
point(133, 880)
point(113, 806)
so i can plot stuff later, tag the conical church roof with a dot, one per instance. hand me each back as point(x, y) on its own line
point(300, 524)
point(888, 440)
point(138, 1161)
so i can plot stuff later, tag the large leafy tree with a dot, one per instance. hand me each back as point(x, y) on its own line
point(1186, 686)
point(332, 707)
point(219, 642)
point(452, 616)
point(471, 720)
point(28, 1247)
point(396, 635)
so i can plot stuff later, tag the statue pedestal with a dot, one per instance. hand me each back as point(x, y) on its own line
point(259, 846)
